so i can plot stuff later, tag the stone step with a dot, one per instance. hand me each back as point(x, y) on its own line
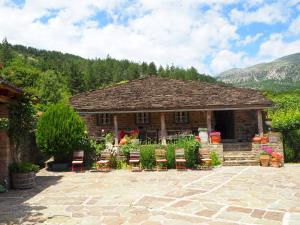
point(241, 163)
point(226, 158)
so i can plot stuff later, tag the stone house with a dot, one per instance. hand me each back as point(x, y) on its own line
point(8, 95)
point(162, 107)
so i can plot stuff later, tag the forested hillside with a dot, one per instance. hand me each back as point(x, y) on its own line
point(54, 76)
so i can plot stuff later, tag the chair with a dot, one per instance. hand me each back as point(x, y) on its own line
point(134, 161)
point(161, 160)
point(205, 159)
point(180, 159)
point(104, 163)
point(77, 162)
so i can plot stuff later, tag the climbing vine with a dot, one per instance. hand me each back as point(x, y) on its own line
point(22, 121)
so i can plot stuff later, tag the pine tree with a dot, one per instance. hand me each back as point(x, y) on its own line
point(5, 52)
point(152, 69)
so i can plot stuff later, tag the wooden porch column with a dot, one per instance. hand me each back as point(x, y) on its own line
point(116, 130)
point(208, 121)
point(260, 122)
point(163, 129)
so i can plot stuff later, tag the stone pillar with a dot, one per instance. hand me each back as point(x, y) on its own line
point(260, 125)
point(163, 129)
point(116, 130)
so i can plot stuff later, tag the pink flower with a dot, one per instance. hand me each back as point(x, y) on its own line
point(267, 149)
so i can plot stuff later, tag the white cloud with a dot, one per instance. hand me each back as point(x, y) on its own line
point(276, 47)
point(250, 39)
point(268, 14)
point(294, 27)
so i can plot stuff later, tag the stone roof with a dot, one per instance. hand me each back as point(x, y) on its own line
point(157, 93)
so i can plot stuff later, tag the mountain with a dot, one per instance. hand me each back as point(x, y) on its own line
point(282, 74)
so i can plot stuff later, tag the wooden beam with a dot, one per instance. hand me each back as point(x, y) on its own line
point(116, 130)
point(163, 129)
point(260, 125)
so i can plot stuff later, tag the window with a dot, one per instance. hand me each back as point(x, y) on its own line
point(142, 118)
point(104, 119)
point(181, 117)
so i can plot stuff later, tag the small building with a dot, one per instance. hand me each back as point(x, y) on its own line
point(8, 95)
point(160, 108)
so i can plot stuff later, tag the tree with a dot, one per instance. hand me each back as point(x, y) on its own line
point(52, 87)
point(60, 131)
point(152, 69)
point(5, 52)
point(76, 79)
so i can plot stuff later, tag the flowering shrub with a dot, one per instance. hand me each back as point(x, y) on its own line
point(134, 134)
point(3, 123)
point(267, 150)
point(215, 133)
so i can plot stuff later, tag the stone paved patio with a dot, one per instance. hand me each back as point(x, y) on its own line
point(227, 195)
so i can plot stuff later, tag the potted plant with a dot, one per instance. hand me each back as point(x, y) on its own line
point(276, 159)
point(265, 156)
point(256, 139)
point(134, 134)
point(23, 175)
point(215, 137)
point(264, 139)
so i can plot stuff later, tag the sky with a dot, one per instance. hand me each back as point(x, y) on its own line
point(212, 35)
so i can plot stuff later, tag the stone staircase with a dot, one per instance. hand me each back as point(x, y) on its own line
point(240, 158)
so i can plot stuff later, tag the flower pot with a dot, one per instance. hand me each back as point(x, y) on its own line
point(256, 140)
point(23, 180)
point(276, 162)
point(215, 139)
point(264, 160)
point(264, 140)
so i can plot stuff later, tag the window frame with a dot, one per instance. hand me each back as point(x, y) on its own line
point(143, 122)
point(181, 120)
point(104, 122)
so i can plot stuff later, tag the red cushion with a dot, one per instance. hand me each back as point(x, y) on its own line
point(180, 160)
point(134, 160)
point(161, 160)
point(103, 162)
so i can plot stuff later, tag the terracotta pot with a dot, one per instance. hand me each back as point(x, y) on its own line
point(256, 140)
point(215, 139)
point(123, 141)
point(264, 140)
point(264, 160)
point(276, 162)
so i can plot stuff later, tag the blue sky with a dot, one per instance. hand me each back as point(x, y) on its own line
point(211, 36)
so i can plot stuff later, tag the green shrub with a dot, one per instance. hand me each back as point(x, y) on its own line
point(171, 156)
point(191, 147)
point(126, 149)
point(214, 159)
point(60, 131)
point(148, 156)
point(93, 151)
point(23, 167)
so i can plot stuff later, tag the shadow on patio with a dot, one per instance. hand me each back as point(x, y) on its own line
point(14, 206)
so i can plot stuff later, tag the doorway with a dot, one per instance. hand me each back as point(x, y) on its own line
point(224, 122)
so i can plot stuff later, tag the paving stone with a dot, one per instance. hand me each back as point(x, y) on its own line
point(274, 216)
point(258, 213)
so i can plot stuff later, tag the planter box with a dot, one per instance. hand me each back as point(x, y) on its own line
point(23, 180)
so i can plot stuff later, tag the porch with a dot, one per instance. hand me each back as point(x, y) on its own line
point(236, 126)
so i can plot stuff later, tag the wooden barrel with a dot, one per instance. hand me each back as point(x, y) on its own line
point(23, 180)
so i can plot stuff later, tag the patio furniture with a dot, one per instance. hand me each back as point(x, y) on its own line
point(134, 161)
point(77, 162)
point(104, 163)
point(180, 159)
point(205, 159)
point(161, 160)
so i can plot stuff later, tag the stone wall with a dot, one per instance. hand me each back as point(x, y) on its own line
point(4, 147)
point(245, 123)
